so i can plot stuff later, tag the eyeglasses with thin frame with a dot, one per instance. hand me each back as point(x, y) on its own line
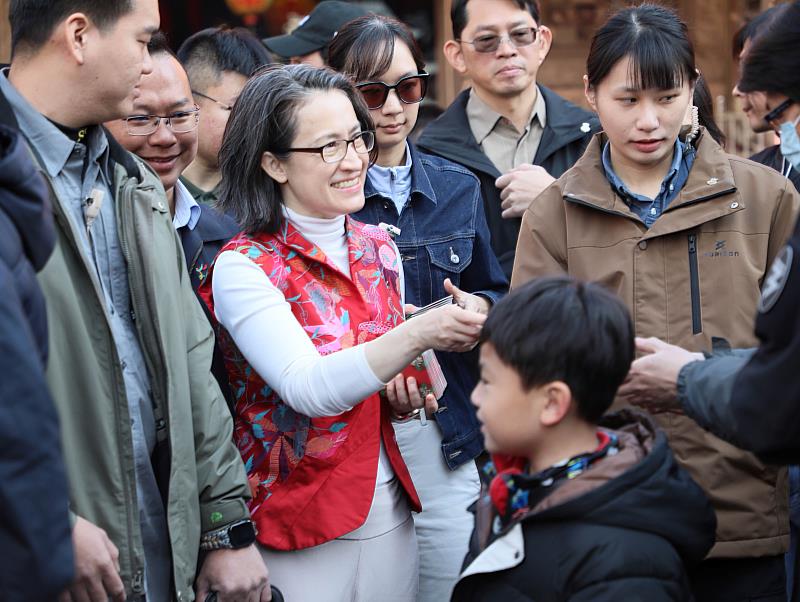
point(219, 102)
point(179, 122)
point(335, 151)
point(410, 90)
point(524, 36)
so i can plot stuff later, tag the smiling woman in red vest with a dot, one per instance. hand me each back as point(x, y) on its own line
point(310, 311)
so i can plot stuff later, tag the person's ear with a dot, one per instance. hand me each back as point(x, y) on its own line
point(274, 168)
point(455, 56)
point(75, 30)
point(545, 40)
point(590, 93)
point(558, 402)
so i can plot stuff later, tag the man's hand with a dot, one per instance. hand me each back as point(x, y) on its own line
point(520, 186)
point(96, 566)
point(467, 300)
point(653, 378)
point(235, 576)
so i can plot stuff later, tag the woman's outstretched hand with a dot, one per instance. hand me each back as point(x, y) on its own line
point(447, 328)
point(467, 300)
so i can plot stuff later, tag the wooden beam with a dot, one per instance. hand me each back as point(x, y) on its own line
point(448, 82)
point(5, 33)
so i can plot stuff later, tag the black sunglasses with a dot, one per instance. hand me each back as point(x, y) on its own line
point(778, 111)
point(410, 90)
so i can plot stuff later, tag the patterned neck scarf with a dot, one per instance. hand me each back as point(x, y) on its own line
point(514, 492)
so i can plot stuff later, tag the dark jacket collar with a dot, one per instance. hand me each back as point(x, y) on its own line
point(420, 182)
point(451, 136)
point(213, 225)
point(24, 199)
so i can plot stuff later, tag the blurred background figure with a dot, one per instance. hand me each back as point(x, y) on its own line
point(35, 535)
point(218, 61)
point(309, 42)
point(755, 103)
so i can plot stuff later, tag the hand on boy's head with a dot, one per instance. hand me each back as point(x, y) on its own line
point(520, 186)
point(652, 380)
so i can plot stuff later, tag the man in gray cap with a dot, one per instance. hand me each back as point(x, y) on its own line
point(308, 43)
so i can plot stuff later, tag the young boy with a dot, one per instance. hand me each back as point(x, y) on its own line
point(579, 506)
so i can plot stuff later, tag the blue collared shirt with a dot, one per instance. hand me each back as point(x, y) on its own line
point(393, 182)
point(187, 211)
point(649, 210)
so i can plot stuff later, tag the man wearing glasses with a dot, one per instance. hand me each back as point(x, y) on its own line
point(163, 131)
point(218, 61)
point(515, 135)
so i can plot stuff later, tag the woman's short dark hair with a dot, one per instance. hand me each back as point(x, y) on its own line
point(562, 329)
point(656, 40)
point(705, 110)
point(364, 47)
point(772, 64)
point(264, 120)
point(459, 16)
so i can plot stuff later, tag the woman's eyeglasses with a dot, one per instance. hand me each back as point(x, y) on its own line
point(410, 90)
point(179, 122)
point(335, 151)
point(490, 43)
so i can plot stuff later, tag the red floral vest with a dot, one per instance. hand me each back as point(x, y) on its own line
point(313, 479)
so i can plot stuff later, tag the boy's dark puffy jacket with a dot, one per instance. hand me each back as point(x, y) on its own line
point(626, 529)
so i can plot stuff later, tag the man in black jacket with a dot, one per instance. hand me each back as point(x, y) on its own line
point(169, 148)
point(35, 536)
point(514, 135)
point(754, 104)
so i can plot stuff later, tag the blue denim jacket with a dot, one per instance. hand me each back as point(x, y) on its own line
point(444, 235)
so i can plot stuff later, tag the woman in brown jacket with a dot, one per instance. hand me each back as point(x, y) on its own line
point(684, 233)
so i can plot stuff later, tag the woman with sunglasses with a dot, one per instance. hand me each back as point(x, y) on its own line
point(310, 311)
point(445, 248)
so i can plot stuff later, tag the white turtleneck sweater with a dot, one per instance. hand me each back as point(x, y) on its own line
point(260, 320)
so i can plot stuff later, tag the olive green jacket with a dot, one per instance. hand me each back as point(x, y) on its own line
point(202, 470)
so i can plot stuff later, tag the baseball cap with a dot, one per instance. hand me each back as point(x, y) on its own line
point(316, 30)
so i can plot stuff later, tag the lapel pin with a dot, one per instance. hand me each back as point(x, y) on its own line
point(585, 127)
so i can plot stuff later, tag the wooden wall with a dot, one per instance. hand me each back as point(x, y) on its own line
point(5, 33)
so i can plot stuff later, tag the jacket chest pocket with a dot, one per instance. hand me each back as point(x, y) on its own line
point(448, 260)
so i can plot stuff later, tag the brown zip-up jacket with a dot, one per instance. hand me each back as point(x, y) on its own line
point(694, 275)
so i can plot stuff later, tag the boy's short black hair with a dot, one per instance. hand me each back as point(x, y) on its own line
point(459, 16)
point(562, 329)
point(33, 21)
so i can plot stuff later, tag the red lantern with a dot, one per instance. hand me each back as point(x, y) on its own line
point(248, 7)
